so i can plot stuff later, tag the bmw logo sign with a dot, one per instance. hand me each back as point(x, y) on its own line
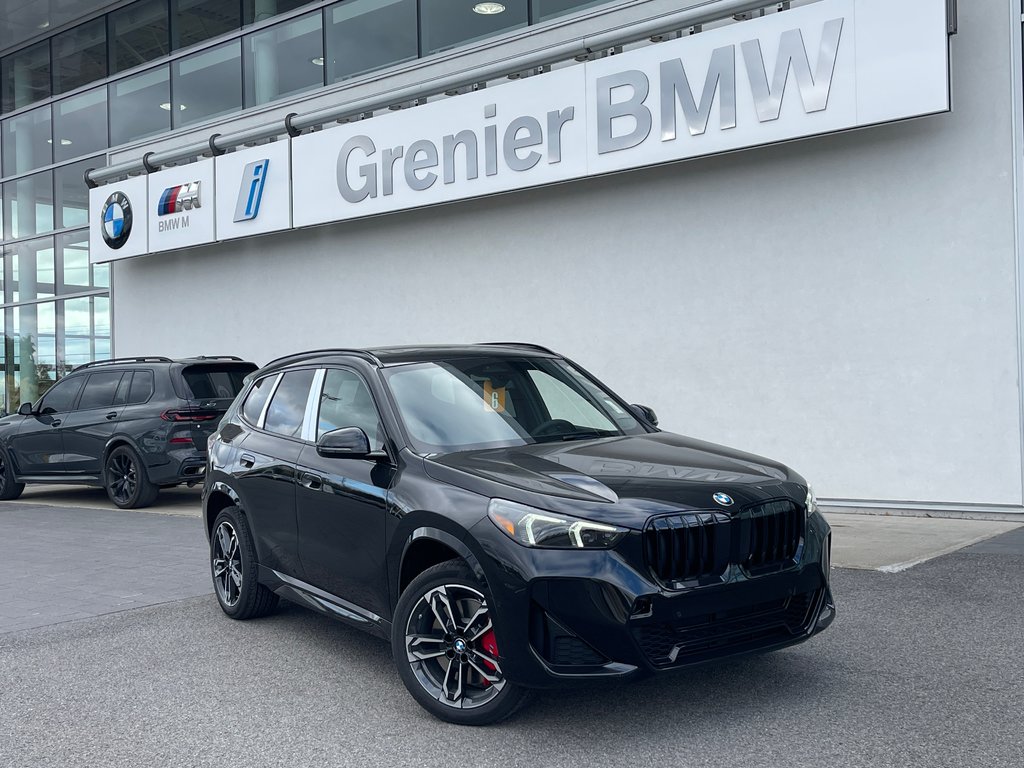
point(117, 220)
point(723, 498)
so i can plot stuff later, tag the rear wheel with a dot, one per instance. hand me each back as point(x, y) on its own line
point(9, 489)
point(444, 646)
point(126, 481)
point(234, 568)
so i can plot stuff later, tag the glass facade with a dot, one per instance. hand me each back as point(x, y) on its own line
point(147, 68)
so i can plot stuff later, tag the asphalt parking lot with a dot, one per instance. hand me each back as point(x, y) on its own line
point(923, 667)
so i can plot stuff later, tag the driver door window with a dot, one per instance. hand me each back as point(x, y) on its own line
point(345, 401)
point(61, 396)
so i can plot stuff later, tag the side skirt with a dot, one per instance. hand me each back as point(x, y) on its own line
point(323, 602)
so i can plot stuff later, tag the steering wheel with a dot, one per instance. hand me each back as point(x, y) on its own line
point(553, 427)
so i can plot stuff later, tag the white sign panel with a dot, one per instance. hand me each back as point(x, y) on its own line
point(515, 136)
point(261, 181)
point(181, 207)
point(118, 224)
point(820, 68)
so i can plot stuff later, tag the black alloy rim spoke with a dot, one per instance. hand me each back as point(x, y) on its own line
point(227, 564)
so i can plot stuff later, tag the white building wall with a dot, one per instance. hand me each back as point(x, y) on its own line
point(844, 304)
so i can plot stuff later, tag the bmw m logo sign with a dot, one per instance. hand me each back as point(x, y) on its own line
point(117, 220)
point(723, 498)
point(184, 197)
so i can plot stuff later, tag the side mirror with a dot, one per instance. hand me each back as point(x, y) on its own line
point(347, 443)
point(646, 413)
point(26, 409)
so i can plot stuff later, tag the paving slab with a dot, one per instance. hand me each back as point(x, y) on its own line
point(892, 544)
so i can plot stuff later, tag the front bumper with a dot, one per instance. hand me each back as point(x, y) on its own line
point(571, 614)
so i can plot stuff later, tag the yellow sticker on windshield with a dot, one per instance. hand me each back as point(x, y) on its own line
point(494, 397)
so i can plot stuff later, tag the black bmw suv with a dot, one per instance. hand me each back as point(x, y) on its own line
point(506, 521)
point(131, 425)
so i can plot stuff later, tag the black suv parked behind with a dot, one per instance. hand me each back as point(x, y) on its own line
point(132, 425)
point(505, 521)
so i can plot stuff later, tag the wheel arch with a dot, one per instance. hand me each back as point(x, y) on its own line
point(426, 546)
point(220, 497)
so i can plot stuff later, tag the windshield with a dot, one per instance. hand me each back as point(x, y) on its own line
point(493, 402)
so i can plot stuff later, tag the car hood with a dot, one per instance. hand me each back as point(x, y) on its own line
point(624, 479)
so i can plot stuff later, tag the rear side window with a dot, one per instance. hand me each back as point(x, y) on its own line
point(207, 381)
point(99, 390)
point(256, 399)
point(142, 387)
point(284, 416)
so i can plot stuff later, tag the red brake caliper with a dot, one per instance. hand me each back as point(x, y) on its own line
point(490, 646)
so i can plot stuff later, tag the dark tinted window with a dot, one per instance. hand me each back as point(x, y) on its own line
point(138, 33)
point(289, 404)
point(80, 56)
point(62, 395)
point(26, 76)
point(142, 387)
point(215, 381)
point(199, 20)
point(346, 402)
point(121, 396)
point(257, 398)
point(448, 23)
point(99, 390)
point(369, 34)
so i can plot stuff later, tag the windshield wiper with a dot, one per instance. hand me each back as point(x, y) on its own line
point(586, 435)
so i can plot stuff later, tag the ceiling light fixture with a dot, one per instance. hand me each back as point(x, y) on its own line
point(488, 9)
point(319, 61)
point(166, 106)
point(63, 142)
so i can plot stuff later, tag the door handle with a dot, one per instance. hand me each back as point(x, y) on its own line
point(311, 481)
point(112, 415)
point(247, 461)
point(55, 423)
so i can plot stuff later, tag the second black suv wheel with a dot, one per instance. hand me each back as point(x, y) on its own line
point(126, 481)
point(443, 642)
point(234, 568)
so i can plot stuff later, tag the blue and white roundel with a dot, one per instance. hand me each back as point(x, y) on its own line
point(723, 498)
point(116, 220)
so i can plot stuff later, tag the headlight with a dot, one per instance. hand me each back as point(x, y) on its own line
point(538, 528)
point(811, 504)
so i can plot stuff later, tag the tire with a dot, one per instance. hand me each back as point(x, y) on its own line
point(426, 650)
point(124, 476)
point(9, 489)
point(235, 570)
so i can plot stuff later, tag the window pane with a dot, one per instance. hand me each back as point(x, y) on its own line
point(199, 20)
point(73, 194)
point(346, 402)
point(138, 33)
point(62, 395)
point(78, 337)
point(257, 398)
point(73, 257)
point(32, 270)
point(140, 106)
point(284, 60)
point(26, 76)
point(142, 387)
point(34, 350)
point(207, 84)
point(99, 390)
point(284, 415)
point(80, 56)
point(80, 125)
point(369, 34)
point(100, 273)
point(448, 23)
point(28, 205)
point(27, 141)
point(549, 9)
point(260, 10)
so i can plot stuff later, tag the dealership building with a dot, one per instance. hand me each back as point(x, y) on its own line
point(790, 227)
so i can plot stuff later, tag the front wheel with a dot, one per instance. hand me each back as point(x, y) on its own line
point(445, 650)
point(9, 489)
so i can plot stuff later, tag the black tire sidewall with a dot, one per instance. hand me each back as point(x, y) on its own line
point(452, 572)
point(248, 604)
point(9, 489)
point(145, 491)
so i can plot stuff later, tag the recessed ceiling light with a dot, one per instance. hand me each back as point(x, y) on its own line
point(166, 106)
point(488, 9)
point(319, 61)
point(44, 25)
point(63, 142)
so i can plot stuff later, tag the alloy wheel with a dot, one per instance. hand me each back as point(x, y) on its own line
point(227, 564)
point(123, 477)
point(451, 649)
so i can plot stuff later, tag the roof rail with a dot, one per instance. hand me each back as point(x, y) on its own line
point(522, 344)
point(214, 357)
point(117, 360)
point(298, 357)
